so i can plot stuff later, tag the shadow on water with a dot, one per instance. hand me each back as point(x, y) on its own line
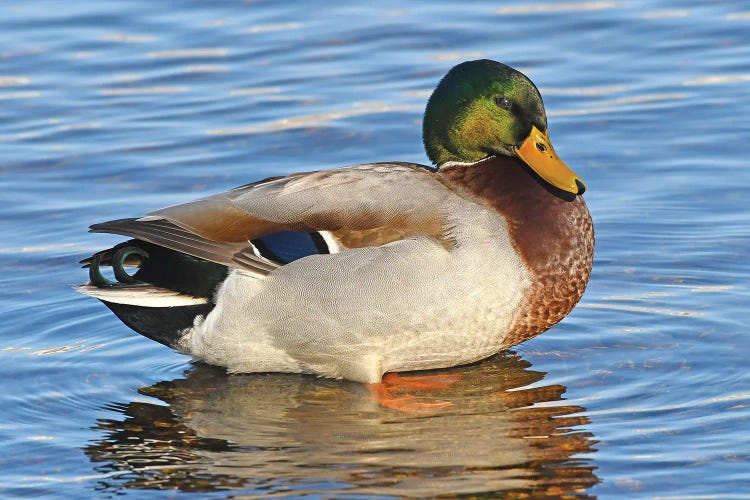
point(288, 434)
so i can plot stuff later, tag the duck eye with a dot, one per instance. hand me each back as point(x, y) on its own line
point(503, 102)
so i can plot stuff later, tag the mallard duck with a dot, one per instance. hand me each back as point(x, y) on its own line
point(375, 268)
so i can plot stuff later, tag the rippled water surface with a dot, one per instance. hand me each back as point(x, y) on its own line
point(112, 109)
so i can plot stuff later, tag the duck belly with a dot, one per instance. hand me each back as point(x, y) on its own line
point(408, 305)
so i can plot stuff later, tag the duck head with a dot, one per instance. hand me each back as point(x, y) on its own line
point(484, 108)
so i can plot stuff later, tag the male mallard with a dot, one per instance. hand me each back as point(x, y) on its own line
point(374, 268)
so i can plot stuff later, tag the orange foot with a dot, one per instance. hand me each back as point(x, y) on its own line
point(384, 392)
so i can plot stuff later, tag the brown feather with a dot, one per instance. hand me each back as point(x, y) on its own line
point(377, 236)
point(164, 233)
point(364, 205)
point(553, 235)
point(217, 219)
point(224, 217)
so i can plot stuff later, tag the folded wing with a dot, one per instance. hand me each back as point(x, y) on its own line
point(363, 205)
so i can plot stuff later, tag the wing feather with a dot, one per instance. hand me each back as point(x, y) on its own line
point(169, 235)
point(363, 205)
point(387, 196)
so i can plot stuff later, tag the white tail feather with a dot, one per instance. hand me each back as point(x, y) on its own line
point(144, 296)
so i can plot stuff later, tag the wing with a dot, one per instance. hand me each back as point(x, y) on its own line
point(363, 205)
point(167, 234)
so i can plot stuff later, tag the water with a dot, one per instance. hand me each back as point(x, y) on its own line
point(112, 109)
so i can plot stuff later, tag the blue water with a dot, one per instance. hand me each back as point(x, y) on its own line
point(112, 109)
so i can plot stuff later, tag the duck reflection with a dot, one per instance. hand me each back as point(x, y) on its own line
point(289, 434)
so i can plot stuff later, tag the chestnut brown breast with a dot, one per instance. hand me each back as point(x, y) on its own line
point(551, 231)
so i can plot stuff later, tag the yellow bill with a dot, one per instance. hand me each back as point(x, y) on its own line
point(537, 152)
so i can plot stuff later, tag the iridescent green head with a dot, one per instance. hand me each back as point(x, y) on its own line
point(484, 108)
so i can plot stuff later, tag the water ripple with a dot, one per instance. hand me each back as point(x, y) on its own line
point(113, 109)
